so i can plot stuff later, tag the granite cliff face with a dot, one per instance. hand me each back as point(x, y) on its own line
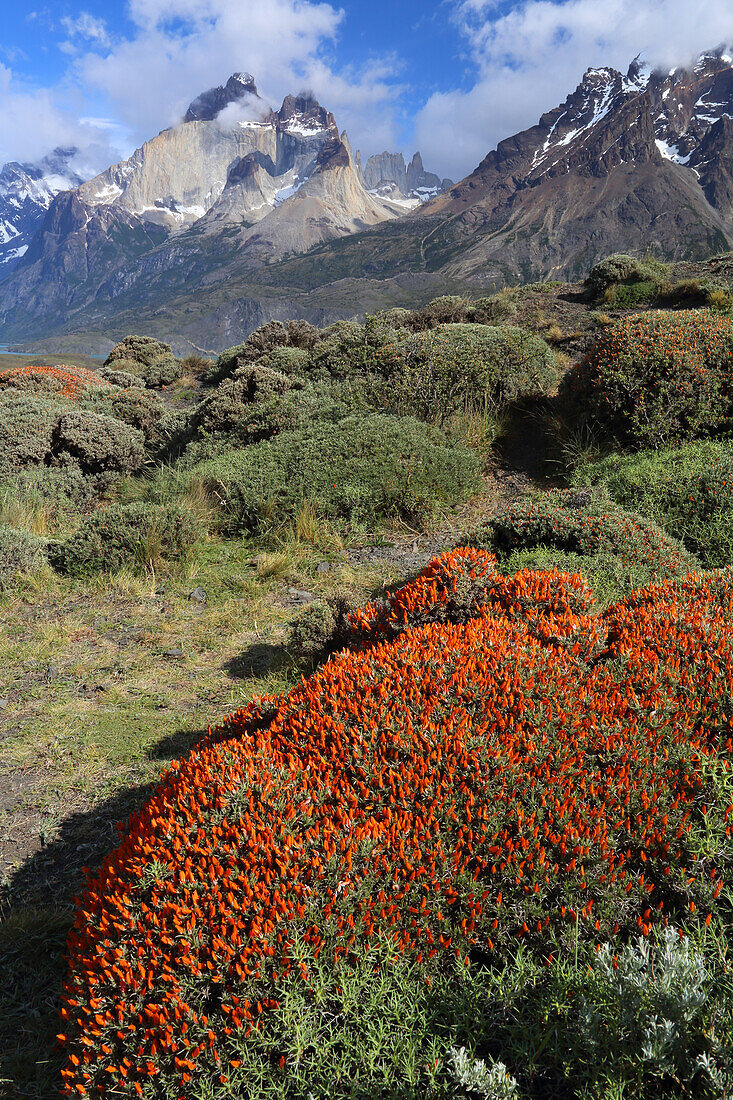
point(387, 175)
point(235, 184)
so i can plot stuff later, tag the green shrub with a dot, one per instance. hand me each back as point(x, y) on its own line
point(349, 349)
point(142, 410)
point(136, 534)
point(656, 379)
point(20, 552)
point(122, 378)
point(163, 372)
point(245, 406)
point(621, 268)
point(360, 471)
point(263, 341)
point(287, 360)
point(141, 350)
point(456, 368)
point(319, 629)
point(99, 445)
point(631, 295)
point(447, 310)
point(574, 521)
point(494, 310)
point(689, 490)
point(27, 425)
point(39, 432)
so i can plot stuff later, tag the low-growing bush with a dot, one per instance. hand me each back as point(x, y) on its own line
point(142, 410)
point(264, 341)
point(163, 372)
point(360, 471)
point(441, 372)
point(20, 552)
point(137, 534)
point(446, 310)
point(689, 490)
point(656, 379)
point(27, 424)
point(101, 446)
point(140, 350)
point(498, 309)
point(574, 521)
point(623, 269)
point(531, 783)
point(122, 379)
point(246, 407)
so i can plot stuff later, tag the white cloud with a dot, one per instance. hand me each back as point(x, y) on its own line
point(182, 47)
point(86, 26)
point(530, 58)
point(35, 121)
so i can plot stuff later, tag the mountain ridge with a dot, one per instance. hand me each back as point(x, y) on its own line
point(628, 162)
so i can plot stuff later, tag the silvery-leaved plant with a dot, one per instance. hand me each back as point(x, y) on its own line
point(492, 1081)
point(648, 999)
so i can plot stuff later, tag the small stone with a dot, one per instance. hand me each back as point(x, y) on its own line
point(198, 595)
point(300, 596)
point(4, 702)
point(174, 653)
point(323, 567)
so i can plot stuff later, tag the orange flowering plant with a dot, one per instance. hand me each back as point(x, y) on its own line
point(536, 775)
point(62, 380)
point(657, 378)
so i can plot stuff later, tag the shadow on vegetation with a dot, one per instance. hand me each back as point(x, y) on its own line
point(36, 913)
point(260, 659)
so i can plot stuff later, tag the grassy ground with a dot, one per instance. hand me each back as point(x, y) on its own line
point(102, 684)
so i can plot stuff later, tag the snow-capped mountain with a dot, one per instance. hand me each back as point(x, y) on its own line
point(26, 192)
point(627, 162)
point(236, 183)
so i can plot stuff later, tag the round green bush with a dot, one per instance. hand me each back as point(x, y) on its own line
point(138, 534)
point(287, 360)
point(244, 406)
point(445, 310)
point(20, 552)
point(621, 268)
point(460, 367)
point(27, 424)
point(163, 372)
point(689, 490)
point(577, 522)
point(263, 341)
point(99, 445)
point(656, 379)
point(144, 411)
point(494, 310)
point(360, 471)
point(142, 350)
point(122, 378)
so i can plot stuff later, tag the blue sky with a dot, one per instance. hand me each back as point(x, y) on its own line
point(450, 77)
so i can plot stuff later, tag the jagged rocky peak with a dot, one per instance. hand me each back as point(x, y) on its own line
point(211, 103)
point(387, 175)
point(303, 116)
point(26, 192)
